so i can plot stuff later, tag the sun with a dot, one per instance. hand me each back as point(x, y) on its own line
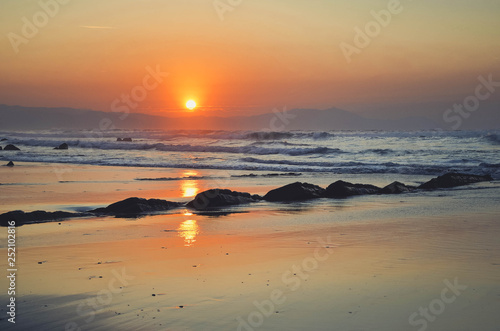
point(191, 104)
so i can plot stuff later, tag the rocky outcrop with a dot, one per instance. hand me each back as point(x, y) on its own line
point(133, 207)
point(295, 192)
point(62, 146)
point(10, 164)
point(39, 216)
point(11, 148)
point(221, 198)
point(453, 180)
point(341, 189)
point(396, 188)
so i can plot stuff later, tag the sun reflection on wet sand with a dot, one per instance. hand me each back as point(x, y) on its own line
point(189, 188)
point(188, 230)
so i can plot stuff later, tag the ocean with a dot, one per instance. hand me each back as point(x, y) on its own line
point(333, 152)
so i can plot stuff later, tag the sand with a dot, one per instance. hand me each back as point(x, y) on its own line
point(368, 263)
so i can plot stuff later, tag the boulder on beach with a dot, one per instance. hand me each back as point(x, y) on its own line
point(220, 198)
point(11, 148)
point(127, 139)
point(119, 139)
point(295, 192)
point(133, 207)
point(396, 188)
point(62, 146)
point(10, 164)
point(453, 179)
point(39, 216)
point(341, 189)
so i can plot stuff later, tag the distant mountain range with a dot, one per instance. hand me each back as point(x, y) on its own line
point(32, 118)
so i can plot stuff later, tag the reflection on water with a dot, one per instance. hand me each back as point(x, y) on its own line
point(188, 230)
point(189, 188)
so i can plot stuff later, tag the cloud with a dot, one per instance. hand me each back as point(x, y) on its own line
point(97, 27)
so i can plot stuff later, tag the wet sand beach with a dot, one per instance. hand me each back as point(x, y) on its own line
point(409, 262)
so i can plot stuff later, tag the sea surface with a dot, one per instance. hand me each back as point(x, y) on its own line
point(333, 152)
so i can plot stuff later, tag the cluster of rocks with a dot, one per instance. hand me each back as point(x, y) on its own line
point(340, 189)
point(124, 139)
point(217, 198)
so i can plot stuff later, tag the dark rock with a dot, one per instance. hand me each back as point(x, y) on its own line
point(133, 207)
point(11, 148)
point(38, 216)
point(0, 148)
point(396, 188)
point(221, 198)
point(127, 139)
point(452, 180)
point(295, 192)
point(62, 146)
point(341, 189)
point(10, 164)
point(4, 139)
point(119, 139)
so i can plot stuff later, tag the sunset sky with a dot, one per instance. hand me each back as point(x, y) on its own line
point(262, 54)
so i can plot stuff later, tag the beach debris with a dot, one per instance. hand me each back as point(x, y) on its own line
point(42, 262)
point(221, 198)
point(396, 188)
point(133, 207)
point(453, 179)
point(153, 295)
point(62, 146)
point(181, 307)
point(11, 148)
point(295, 192)
point(10, 164)
point(341, 189)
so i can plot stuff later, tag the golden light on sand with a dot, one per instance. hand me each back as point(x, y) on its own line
point(188, 230)
point(191, 104)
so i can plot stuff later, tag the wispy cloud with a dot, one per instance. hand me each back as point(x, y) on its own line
point(97, 27)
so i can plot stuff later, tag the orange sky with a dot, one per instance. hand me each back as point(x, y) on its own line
point(263, 54)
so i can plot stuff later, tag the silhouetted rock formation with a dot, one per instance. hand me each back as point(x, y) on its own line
point(133, 207)
point(119, 139)
point(221, 198)
point(341, 189)
point(10, 164)
point(4, 139)
point(295, 192)
point(396, 188)
point(11, 148)
point(127, 139)
point(62, 146)
point(21, 218)
point(452, 180)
